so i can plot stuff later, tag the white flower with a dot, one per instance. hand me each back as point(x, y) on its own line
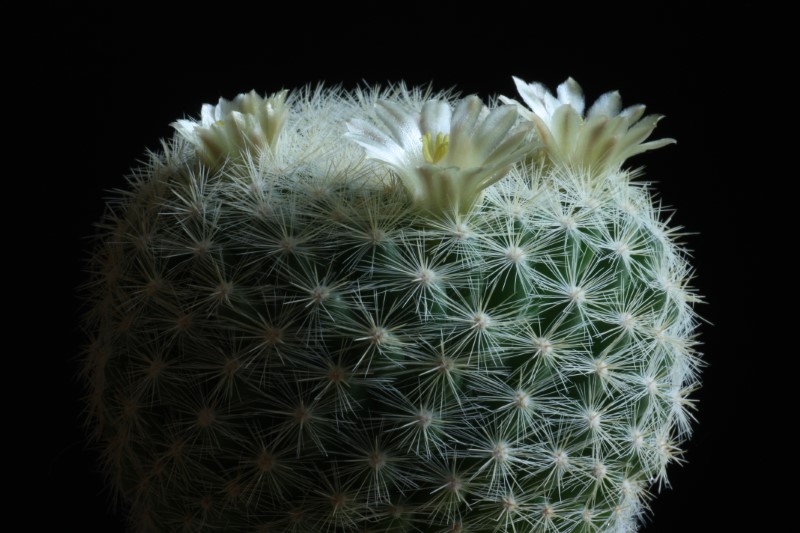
point(444, 157)
point(230, 128)
point(597, 142)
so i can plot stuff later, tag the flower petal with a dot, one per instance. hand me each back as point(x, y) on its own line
point(632, 114)
point(642, 130)
point(644, 147)
point(511, 148)
point(209, 115)
point(608, 104)
point(565, 126)
point(571, 93)
point(494, 129)
point(534, 95)
point(377, 144)
point(402, 126)
point(435, 117)
point(523, 111)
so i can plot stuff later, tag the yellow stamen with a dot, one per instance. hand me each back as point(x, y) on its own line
point(434, 150)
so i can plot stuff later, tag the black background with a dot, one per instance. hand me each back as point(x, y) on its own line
point(116, 81)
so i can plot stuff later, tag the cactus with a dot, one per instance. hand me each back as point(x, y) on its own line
point(392, 311)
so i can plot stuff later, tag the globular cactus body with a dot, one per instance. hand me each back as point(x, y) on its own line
point(488, 330)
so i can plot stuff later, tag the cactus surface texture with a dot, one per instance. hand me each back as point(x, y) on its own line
point(392, 311)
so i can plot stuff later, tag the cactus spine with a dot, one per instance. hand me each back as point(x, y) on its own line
point(484, 325)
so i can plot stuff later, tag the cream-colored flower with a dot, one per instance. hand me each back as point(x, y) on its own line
point(597, 142)
point(245, 124)
point(444, 157)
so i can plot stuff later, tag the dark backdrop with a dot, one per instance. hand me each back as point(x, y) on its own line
point(119, 80)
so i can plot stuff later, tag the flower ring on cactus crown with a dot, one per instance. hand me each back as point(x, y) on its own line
point(597, 142)
point(230, 129)
point(444, 156)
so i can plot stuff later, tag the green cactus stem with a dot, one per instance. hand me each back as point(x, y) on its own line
point(391, 312)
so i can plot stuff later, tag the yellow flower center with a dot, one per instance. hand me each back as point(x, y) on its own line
point(434, 150)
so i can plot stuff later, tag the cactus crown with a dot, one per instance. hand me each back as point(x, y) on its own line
point(392, 312)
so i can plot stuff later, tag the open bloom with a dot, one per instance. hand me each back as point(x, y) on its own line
point(444, 157)
point(599, 141)
point(230, 128)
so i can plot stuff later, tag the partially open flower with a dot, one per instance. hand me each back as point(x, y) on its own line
point(597, 142)
point(444, 157)
point(247, 123)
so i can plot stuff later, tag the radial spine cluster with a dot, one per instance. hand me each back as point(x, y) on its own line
point(391, 311)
